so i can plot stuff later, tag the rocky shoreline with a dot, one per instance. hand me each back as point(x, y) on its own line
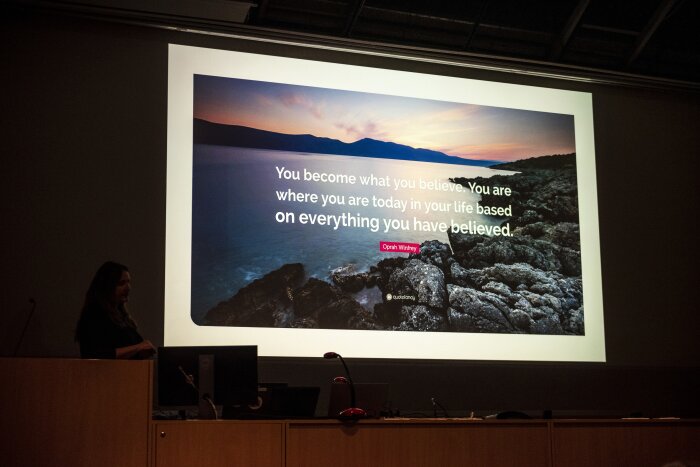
point(528, 283)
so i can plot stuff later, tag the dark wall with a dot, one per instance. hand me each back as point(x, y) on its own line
point(83, 180)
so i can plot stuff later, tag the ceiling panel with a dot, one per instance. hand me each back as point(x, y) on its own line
point(651, 39)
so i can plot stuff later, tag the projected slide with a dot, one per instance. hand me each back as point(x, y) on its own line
point(396, 215)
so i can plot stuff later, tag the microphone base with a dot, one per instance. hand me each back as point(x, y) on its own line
point(353, 412)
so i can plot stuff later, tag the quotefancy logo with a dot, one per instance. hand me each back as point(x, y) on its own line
point(390, 297)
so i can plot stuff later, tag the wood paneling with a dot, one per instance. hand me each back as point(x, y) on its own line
point(417, 443)
point(219, 443)
point(64, 412)
point(642, 443)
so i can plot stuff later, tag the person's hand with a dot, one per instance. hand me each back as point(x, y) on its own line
point(146, 349)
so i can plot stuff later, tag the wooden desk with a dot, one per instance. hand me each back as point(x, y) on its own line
point(427, 443)
point(65, 412)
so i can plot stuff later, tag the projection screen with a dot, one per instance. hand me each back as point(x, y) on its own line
point(317, 206)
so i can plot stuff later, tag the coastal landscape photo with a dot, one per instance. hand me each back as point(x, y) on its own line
point(320, 208)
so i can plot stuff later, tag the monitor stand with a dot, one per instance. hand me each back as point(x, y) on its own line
point(207, 409)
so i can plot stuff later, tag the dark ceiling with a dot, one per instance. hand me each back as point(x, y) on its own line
point(653, 41)
point(654, 38)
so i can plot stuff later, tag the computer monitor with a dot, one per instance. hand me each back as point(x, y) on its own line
point(229, 372)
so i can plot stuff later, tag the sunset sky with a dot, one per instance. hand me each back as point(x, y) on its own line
point(464, 130)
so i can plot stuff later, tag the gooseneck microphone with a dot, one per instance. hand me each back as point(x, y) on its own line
point(436, 404)
point(26, 325)
point(352, 411)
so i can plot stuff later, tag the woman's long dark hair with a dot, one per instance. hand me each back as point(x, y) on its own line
point(98, 298)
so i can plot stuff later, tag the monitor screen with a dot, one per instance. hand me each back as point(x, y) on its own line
point(235, 374)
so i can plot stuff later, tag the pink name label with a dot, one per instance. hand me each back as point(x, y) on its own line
point(399, 247)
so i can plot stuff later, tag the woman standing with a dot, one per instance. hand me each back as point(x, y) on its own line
point(105, 328)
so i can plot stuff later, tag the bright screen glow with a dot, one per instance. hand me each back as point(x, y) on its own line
point(379, 214)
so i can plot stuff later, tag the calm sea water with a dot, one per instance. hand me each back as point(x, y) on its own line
point(237, 239)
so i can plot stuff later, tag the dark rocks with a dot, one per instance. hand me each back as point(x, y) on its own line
point(263, 302)
point(565, 234)
point(538, 194)
point(474, 311)
point(527, 283)
point(421, 318)
point(425, 282)
point(314, 295)
point(385, 268)
point(436, 253)
point(541, 250)
point(319, 302)
point(529, 300)
point(462, 244)
point(277, 300)
point(348, 279)
point(388, 314)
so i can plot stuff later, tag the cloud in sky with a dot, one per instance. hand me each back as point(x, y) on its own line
point(294, 100)
point(465, 130)
point(367, 130)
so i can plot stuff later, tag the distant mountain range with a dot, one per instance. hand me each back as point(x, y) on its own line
point(205, 132)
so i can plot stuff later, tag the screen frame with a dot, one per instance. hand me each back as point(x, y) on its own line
point(179, 329)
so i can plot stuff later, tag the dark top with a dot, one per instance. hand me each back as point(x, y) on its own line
point(100, 337)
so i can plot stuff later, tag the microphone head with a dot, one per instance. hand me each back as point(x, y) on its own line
point(330, 355)
point(353, 413)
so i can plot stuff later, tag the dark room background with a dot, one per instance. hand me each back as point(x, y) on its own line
point(83, 180)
